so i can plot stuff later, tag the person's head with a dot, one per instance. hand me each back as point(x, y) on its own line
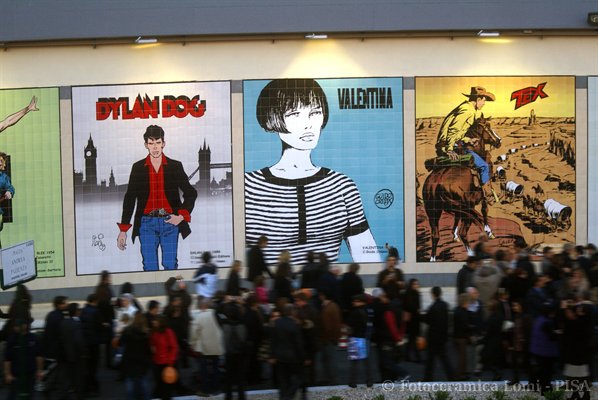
point(413, 284)
point(516, 306)
point(500, 255)
point(153, 307)
point(125, 300)
point(296, 109)
point(73, 309)
point(473, 293)
point(284, 257)
point(436, 292)
point(60, 303)
point(22, 294)
point(159, 323)
point(472, 262)
point(547, 252)
point(92, 299)
point(206, 257)
point(324, 262)
point(591, 248)
point(127, 287)
point(262, 242)
point(540, 281)
point(391, 262)
point(464, 300)
point(154, 140)
point(354, 268)
point(258, 281)
point(311, 257)
point(204, 303)
point(105, 278)
point(3, 160)
point(139, 321)
point(478, 96)
point(359, 300)
point(502, 294)
point(237, 264)
point(301, 298)
point(579, 250)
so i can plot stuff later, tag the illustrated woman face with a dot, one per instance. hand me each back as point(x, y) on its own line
point(304, 124)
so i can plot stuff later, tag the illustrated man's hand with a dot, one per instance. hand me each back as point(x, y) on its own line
point(8, 195)
point(32, 105)
point(452, 155)
point(175, 219)
point(121, 240)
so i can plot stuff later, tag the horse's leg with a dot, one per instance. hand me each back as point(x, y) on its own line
point(487, 228)
point(456, 237)
point(434, 220)
point(464, 232)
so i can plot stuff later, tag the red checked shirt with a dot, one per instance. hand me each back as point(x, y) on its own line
point(157, 197)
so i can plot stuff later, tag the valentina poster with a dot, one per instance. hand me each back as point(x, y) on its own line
point(495, 163)
point(324, 167)
point(152, 176)
point(30, 180)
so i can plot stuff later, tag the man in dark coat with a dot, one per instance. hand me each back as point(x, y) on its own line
point(466, 274)
point(91, 324)
point(154, 194)
point(351, 285)
point(437, 318)
point(256, 264)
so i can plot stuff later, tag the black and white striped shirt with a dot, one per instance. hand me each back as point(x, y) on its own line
point(314, 213)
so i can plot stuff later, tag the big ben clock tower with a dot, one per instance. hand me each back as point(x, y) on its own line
point(91, 172)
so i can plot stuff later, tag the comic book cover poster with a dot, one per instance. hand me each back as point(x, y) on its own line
point(324, 167)
point(495, 164)
point(592, 161)
point(152, 176)
point(30, 179)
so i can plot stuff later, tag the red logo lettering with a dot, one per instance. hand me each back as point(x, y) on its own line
point(528, 95)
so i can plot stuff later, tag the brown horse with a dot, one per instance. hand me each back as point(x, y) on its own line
point(457, 189)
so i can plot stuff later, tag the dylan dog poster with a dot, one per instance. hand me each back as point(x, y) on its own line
point(152, 176)
point(324, 167)
point(30, 180)
point(495, 164)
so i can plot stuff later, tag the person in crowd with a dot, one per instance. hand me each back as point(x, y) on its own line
point(466, 274)
point(104, 295)
point(493, 351)
point(126, 307)
point(254, 319)
point(128, 289)
point(175, 286)
point(287, 352)
point(518, 285)
point(20, 308)
point(207, 343)
point(23, 361)
point(308, 318)
point(310, 273)
point(179, 322)
point(206, 277)
point(390, 268)
point(536, 297)
point(92, 326)
point(261, 292)
point(412, 308)
point(153, 310)
point(328, 281)
point(476, 319)
point(165, 350)
point(487, 279)
point(544, 346)
point(547, 266)
point(233, 282)
point(360, 323)
point(256, 263)
point(523, 259)
point(283, 286)
point(437, 319)
point(236, 345)
point(330, 333)
point(462, 334)
point(136, 358)
point(350, 285)
point(481, 250)
point(73, 348)
point(519, 342)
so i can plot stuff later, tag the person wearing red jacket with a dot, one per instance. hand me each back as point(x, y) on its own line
point(164, 353)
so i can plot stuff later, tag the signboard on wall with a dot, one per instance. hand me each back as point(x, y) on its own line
point(152, 176)
point(18, 264)
point(30, 179)
point(324, 167)
point(502, 180)
point(592, 161)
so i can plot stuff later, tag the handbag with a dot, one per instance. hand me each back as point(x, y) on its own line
point(357, 348)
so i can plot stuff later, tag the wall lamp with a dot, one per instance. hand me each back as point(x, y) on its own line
point(316, 36)
point(483, 33)
point(142, 40)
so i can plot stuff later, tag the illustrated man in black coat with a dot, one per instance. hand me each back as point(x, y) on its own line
point(437, 318)
point(153, 193)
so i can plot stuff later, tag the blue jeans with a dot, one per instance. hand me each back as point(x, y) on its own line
point(138, 388)
point(209, 373)
point(155, 232)
point(481, 165)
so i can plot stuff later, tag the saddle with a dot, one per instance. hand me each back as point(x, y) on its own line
point(465, 160)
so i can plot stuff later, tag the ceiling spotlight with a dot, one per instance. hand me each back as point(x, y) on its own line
point(316, 36)
point(142, 40)
point(483, 33)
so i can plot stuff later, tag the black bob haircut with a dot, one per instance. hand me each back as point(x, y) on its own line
point(282, 95)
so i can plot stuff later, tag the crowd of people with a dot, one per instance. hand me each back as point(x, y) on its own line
point(511, 320)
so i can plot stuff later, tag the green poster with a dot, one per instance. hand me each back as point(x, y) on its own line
point(30, 179)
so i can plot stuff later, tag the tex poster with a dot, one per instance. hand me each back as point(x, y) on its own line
point(495, 164)
point(30, 178)
point(324, 167)
point(152, 176)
